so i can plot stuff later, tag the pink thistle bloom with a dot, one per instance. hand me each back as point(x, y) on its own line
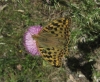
point(29, 42)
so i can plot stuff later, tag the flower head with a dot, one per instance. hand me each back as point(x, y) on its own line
point(29, 42)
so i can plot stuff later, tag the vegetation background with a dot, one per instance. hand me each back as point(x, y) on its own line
point(83, 62)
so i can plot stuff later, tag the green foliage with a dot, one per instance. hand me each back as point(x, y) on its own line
point(86, 15)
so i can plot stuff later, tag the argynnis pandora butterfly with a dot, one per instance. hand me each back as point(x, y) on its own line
point(53, 40)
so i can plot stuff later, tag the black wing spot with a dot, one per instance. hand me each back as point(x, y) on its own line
point(55, 29)
point(48, 48)
point(44, 51)
point(49, 53)
point(61, 28)
point(49, 27)
point(52, 32)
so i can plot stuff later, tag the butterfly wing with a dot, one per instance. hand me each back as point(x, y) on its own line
point(52, 55)
point(53, 41)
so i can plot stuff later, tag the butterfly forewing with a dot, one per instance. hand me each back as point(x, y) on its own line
point(53, 41)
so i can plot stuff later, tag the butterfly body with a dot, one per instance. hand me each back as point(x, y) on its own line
point(53, 41)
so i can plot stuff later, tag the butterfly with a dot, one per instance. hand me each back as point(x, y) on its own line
point(53, 40)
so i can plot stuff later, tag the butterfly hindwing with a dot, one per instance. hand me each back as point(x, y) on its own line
point(52, 55)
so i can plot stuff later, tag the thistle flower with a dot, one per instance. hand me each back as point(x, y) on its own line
point(29, 42)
